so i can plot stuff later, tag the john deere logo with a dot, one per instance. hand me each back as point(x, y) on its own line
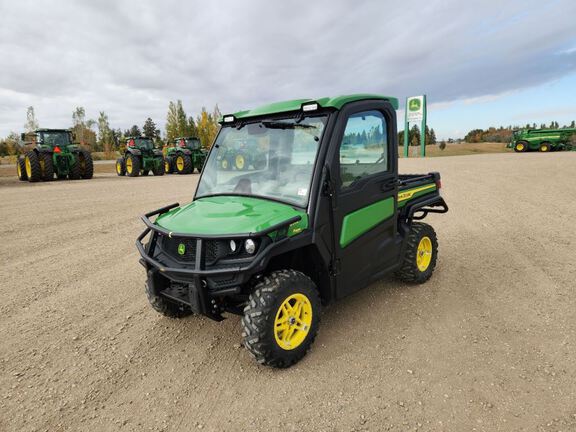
point(414, 105)
point(181, 249)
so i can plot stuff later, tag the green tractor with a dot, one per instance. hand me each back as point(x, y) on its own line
point(140, 157)
point(184, 156)
point(245, 155)
point(50, 152)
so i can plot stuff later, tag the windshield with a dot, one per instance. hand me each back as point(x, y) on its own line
point(271, 159)
point(145, 144)
point(193, 144)
point(53, 139)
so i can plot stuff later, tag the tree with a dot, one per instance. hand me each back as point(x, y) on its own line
point(133, 131)
point(177, 123)
point(31, 122)
point(105, 134)
point(82, 127)
point(207, 126)
point(149, 128)
point(442, 145)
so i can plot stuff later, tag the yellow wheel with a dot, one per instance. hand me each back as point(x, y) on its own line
point(224, 164)
point(520, 147)
point(240, 162)
point(281, 318)
point(424, 255)
point(120, 167)
point(28, 167)
point(420, 255)
point(129, 166)
point(180, 163)
point(293, 321)
point(167, 167)
point(132, 165)
point(544, 147)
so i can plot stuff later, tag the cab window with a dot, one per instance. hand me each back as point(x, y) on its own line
point(364, 147)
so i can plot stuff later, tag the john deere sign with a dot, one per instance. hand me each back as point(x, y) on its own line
point(415, 113)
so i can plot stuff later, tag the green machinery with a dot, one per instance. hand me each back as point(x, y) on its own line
point(244, 155)
point(323, 214)
point(184, 155)
point(140, 157)
point(543, 140)
point(51, 152)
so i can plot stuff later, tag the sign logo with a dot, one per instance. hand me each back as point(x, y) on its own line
point(181, 249)
point(414, 105)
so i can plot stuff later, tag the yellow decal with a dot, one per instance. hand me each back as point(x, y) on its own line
point(403, 196)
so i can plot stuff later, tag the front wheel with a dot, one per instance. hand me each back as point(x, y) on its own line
point(120, 167)
point(281, 319)
point(521, 147)
point(21, 169)
point(168, 166)
point(420, 255)
point(544, 147)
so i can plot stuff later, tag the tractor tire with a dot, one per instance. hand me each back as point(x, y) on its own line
point(241, 162)
point(159, 168)
point(545, 147)
point(32, 167)
point(521, 147)
point(168, 165)
point(226, 163)
point(183, 164)
point(260, 163)
point(282, 318)
point(420, 255)
point(86, 164)
point(46, 166)
point(75, 172)
point(159, 303)
point(132, 165)
point(21, 169)
point(120, 167)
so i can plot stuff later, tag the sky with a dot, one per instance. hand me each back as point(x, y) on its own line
point(480, 63)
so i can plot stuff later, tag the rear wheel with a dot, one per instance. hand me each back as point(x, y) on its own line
point(240, 162)
point(154, 285)
point(281, 319)
point(183, 164)
point(46, 166)
point(420, 255)
point(86, 164)
point(544, 147)
point(132, 165)
point(21, 169)
point(520, 147)
point(75, 172)
point(120, 167)
point(32, 167)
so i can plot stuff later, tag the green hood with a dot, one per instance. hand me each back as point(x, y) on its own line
point(221, 215)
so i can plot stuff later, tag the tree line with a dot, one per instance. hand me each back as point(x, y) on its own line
point(504, 134)
point(100, 136)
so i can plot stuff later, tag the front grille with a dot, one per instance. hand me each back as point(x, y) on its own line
point(182, 249)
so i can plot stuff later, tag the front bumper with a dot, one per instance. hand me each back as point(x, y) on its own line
point(200, 279)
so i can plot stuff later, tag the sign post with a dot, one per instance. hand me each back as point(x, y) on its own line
point(415, 113)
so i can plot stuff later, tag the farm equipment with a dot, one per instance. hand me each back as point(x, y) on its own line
point(50, 152)
point(243, 155)
point(325, 216)
point(184, 156)
point(140, 157)
point(543, 140)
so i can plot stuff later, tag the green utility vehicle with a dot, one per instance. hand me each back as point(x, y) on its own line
point(543, 140)
point(50, 152)
point(140, 157)
point(327, 215)
point(184, 156)
point(243, 155)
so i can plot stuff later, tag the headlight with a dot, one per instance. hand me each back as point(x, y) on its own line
point(250, 246)
point(233, 246)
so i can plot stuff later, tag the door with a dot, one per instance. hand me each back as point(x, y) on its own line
point(366, 176)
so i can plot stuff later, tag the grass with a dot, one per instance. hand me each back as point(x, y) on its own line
point(459, 149)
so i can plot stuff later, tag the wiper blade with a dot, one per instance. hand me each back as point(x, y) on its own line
point(284, 125)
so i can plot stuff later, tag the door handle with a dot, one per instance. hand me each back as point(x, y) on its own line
point(389, 185)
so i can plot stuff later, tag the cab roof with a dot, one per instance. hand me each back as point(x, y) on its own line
point(336, 102)
point(51, 130)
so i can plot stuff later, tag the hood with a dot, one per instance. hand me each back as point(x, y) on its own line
point(221, 215)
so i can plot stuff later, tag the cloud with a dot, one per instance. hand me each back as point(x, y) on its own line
point(130, 58)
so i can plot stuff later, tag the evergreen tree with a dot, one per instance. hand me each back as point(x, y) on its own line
point(149, 128)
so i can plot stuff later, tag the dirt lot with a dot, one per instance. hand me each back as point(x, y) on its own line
point(487, 344)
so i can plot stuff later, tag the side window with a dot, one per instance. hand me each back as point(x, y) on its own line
point(364, 147)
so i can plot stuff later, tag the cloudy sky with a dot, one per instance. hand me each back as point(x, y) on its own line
point(480, 62)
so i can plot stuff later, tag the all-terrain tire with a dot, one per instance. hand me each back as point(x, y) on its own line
point(132, 165)
point(120, 167)
point(410, 271)
point(159, 167)
point(47, 166)
point(183, 164)
point(261, 315)
point(168, 165)
point(241, 162)
point(159, 303)
point(545, 147)
point(32, 167)
point(521, 147)
point(21, 169)
point(86, 164)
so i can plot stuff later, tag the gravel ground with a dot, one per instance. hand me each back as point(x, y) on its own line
point(487, 344)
